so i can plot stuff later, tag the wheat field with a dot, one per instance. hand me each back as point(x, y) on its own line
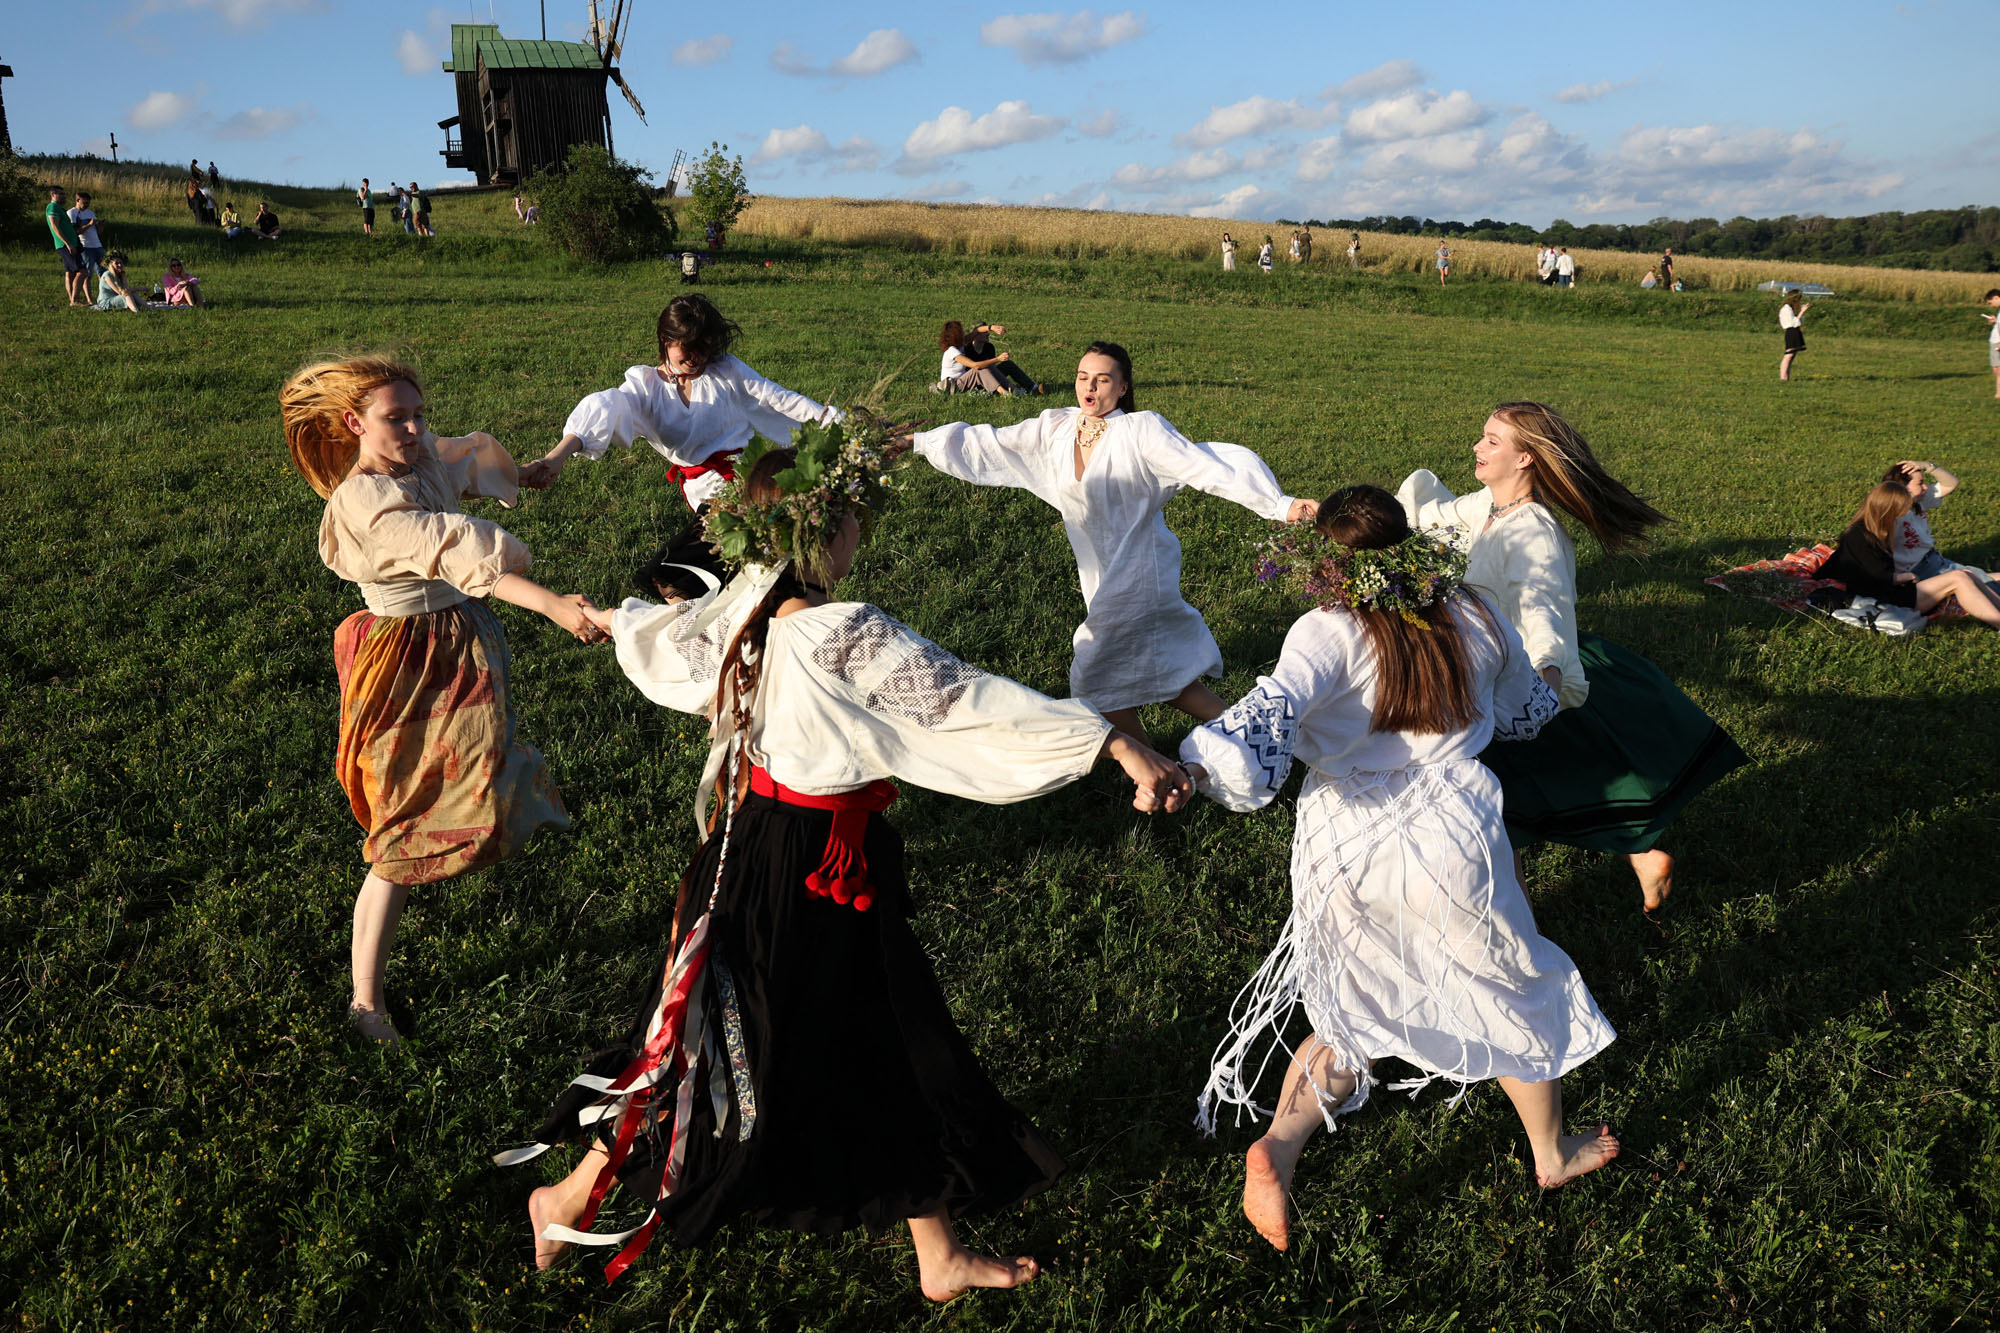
point(976, 229)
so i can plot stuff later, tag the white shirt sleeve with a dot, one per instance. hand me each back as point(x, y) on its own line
point(993, 455)
point(618, 415)
point(1522, 701)
point(773, 410)
point(1228, 471)
point(1427, 502)
point(1247, 752)
point(661, 654)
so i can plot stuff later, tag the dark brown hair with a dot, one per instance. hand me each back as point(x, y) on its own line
point(1128, 402)
point(1568, 476)
point(1423, 673)
point(951, 336)
point(695, 323)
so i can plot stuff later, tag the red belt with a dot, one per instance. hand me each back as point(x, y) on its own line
point(843, 871)
point(722, 464)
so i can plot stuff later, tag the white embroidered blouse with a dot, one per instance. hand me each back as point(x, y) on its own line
point(1139, 643)
point(726, 404)
point(403, 540)
point(1318, 702)
point(847, 694)
point(1524, 562)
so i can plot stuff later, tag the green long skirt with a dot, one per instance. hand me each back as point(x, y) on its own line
point(1612, 773)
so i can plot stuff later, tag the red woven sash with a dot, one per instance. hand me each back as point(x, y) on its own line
point(843, 871)
point(722, 464)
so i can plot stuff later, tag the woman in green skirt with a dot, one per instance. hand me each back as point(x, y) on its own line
point(1629, 749)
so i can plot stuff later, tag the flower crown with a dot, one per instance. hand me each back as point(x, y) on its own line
point(1418, 572)
point(839, 469)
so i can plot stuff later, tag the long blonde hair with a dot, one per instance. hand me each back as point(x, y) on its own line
point(1568, 476)
point(312, 401)
point(1882, 508)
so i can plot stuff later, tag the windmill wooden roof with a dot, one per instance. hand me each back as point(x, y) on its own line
point(465, 40)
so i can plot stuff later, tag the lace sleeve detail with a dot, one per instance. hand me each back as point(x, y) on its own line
point(1530, 716)
point(1248, 750)
point(922, 682)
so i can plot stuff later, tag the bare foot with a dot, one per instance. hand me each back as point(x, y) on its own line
point(1655, 870)
point(1267, 1195)
point(374, 1025)
point(954, 1276)
point(540, 1205)
point(1581, 1154)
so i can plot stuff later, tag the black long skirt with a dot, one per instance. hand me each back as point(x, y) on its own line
point(869, 1106)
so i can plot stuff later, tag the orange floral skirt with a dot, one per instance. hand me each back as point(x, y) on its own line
point(427, 754)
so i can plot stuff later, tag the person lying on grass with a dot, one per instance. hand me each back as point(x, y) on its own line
point(427, 753)
point(1409, 936)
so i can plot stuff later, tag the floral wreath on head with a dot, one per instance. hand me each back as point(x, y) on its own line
point(838, 469)
point(1415, 574)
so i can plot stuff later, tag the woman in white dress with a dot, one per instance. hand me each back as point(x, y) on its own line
point(1409, 934)
point(822, 1083)
point(1228, 253)
point(1110, 470)
point(1630, 750)
point(697, 408)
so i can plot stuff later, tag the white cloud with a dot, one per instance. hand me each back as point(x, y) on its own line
point(160, 111)
point(1590, 92)
point(415, 54)
point(1391, 76)
point(1319, 159)
point(1061, 39)
point(704, 50)
point(1204, 165)
point(1413, 114)
point(260, 122)
point(1100, 126)
point(809, 146)
point(800, 139)
point(956, 131)
point(1445, 154)
point(1252, 115)
point(1243, 201)
point(877, 53)
point(941, 190)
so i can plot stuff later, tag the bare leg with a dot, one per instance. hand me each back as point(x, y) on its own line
point(1785, 367)
point(1127, 721)
point(377, 909)
point(1559, 1158)
point(562, 1203)
point(1971, 594)
point(1268, 1166)
point(1655, 870)
point(946, 1268)
point(1200, 703)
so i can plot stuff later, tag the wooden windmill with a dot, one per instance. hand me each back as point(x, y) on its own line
point(522, 105)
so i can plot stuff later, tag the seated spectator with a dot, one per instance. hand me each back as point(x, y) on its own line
point(266, 223)
point(1912, 545)
point(960, 373)
point(181, 287)
point(114, 289)
point(979, 346)
point(1865, 566)
point(1650, 281)
point(232, 226)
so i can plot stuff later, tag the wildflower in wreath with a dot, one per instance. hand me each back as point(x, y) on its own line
point(841, 468)
point(1418, 572)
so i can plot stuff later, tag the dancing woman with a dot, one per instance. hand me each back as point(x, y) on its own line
point(822, 1084)
point(698, 408)
point(1629, 750)
point(1409, 935)
point(427, 755)
point(1110, 470)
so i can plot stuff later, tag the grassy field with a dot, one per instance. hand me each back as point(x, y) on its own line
point(1810, 1042)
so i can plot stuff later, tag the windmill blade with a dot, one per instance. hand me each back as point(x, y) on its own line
point(614, 38)
point(597, 33)
point(619, 79)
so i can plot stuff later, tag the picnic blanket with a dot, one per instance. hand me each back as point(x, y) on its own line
point(1790, 579)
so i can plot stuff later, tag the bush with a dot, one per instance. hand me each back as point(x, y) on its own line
point(19, 196)
point(717, 192)
point(599, 209)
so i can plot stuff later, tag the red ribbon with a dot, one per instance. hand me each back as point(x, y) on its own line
point(722, 464)
point(843, 871)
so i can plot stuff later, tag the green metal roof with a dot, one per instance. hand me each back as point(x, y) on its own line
point(465, 40)
point(502, 54)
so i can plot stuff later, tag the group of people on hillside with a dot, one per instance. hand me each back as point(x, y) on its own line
point(795, 1060)
point(409, 206)
point(79, 243)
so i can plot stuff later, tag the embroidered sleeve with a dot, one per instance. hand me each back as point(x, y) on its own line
point(662, 655)
point(1523, 703)
point(922, 682)
point(1530, 714)
point(1247, 752)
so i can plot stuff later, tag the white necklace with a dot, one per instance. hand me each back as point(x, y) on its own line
point(1494, 511)
point(1090, 430)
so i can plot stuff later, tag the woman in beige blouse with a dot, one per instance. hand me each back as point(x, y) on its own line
point(427, 753)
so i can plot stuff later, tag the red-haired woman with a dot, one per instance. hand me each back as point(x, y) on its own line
point(1409, 934)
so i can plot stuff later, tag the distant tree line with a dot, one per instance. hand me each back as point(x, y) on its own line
point(1966, 240)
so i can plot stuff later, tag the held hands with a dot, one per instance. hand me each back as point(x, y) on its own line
point(1161, 783)
point(574, 613)
point(599, 618)
point(541, 474)
point(1303, 511)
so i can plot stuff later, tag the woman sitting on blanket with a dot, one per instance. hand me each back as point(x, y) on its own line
point(1912, 546)
point(1865, 560)
point(1409, 935)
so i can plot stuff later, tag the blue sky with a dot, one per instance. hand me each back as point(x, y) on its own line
point(1448, 110)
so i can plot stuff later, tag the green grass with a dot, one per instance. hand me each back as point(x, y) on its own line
point(1806, 1076)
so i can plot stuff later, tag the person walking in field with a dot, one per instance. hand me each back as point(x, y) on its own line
point(1109, 470)
point(1354, 251)
point(1228, 253)
point(1443, 262)
point(1545, 265)
point(365, 196)
point(1409, 935)
point(1993, 338)
point(1791, 316)
point(428, 753)
point(1565, 268)
point(1264, 256)
point(68, 247)
point(1293, 255)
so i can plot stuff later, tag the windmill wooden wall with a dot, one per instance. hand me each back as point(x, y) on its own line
point(523, 104)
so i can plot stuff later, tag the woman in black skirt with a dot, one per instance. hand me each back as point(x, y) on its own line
point(795, 1061)
point(1790, 317)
